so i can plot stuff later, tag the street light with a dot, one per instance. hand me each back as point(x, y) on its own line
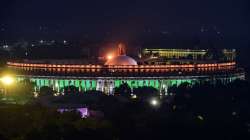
point(154, 102)
point(133, 96)
point(7, 80)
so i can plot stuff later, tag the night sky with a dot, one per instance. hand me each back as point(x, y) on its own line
point(127, 20)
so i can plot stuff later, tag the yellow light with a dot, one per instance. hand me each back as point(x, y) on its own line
point(109, 56)
point(7, 80)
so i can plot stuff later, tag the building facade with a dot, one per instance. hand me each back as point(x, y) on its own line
point(225, 54)
point(122, 69)
point(106, 78)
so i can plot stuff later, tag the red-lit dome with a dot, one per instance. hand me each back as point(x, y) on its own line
point(121, 60)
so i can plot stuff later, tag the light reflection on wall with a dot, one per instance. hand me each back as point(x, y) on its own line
point(83, 111)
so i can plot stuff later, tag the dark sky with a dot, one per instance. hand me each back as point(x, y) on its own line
point(127, 19)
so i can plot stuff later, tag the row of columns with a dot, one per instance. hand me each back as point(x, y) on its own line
point(108, 85)
point(56, 85)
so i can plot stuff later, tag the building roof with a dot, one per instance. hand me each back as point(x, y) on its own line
point(121, 60)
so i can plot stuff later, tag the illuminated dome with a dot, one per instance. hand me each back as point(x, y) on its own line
point(121, 60)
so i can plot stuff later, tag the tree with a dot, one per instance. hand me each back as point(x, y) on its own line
point(123, 90)
point(22, 92)
point(71, 89)
point(145, 92)
point(46, 91)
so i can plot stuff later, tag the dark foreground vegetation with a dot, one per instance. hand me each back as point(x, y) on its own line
point(201, 111)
